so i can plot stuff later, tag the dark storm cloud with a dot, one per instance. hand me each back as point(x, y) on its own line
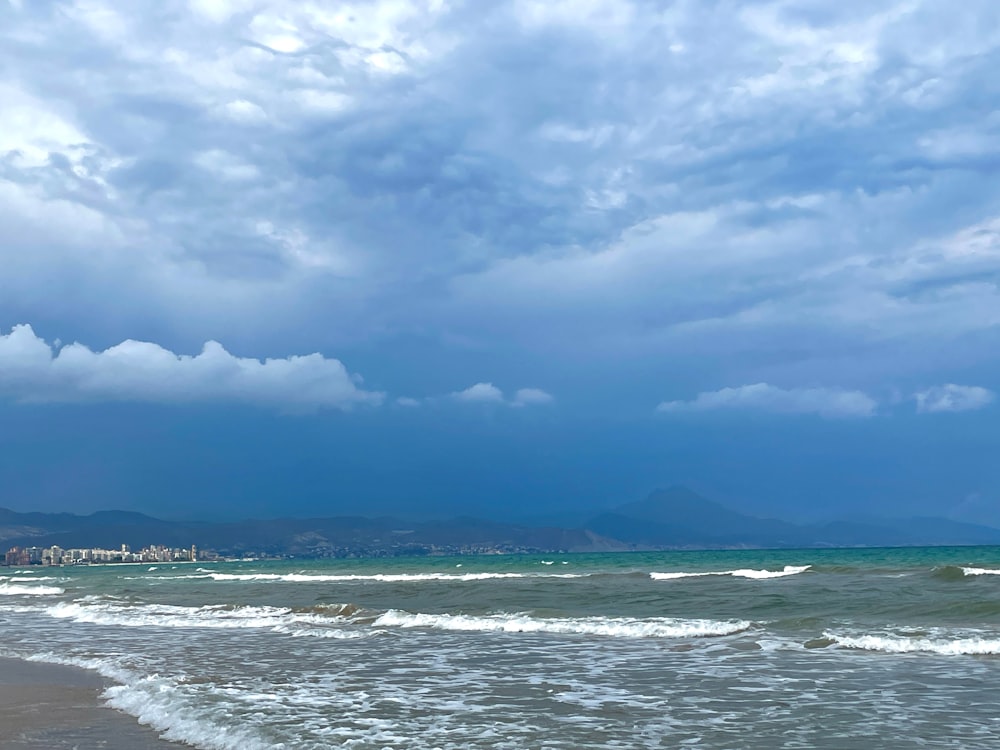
point(638, 180)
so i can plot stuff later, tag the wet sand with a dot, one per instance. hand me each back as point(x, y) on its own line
point(52, 706)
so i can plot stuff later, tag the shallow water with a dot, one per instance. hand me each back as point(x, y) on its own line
point(734, 649)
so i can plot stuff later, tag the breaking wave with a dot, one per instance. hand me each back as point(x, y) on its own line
point(348, 621)
point(323, 622)
point(981, 571)
point(900, 644)
point(621, 627)
point(379, 577)
point(17, 589)
point(962, 572)
point(788, 570)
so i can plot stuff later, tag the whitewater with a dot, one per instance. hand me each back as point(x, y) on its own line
point(890, 648)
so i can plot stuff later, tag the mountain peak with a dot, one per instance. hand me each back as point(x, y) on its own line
point(676, 504)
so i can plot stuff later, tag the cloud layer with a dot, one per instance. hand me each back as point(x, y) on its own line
point(34, 371)
point(951, 397)
point(826, 402)
point(714, 180)
point(621, 200)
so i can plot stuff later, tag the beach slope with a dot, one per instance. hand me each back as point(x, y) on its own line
point(52, 706)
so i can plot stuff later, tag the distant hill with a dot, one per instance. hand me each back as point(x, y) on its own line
point(667, 519)
point(308, 537)
point(678, 517)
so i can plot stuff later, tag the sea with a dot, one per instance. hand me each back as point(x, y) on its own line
point(832, 648)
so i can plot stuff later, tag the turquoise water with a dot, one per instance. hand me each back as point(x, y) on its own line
point(722, 649)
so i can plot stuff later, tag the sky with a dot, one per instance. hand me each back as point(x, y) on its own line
point(514, 259)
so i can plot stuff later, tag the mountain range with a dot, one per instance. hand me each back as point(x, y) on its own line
point(674, 518)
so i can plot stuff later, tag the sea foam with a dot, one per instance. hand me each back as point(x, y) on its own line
point(167, 705)
point(377, 577)
point(788, 570)
point(343, 621)
point(981, 571)
point(17, 589)
point(621, 627)
point(276, 619)
point(897, 644)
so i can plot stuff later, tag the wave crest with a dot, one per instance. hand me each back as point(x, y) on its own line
point(621, 627)
point(981, 571)
point(788, 570)
point(329, 621)
point(377, 577)
point(968, 644)
point(17, 589)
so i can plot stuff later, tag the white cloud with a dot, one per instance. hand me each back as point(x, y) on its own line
point(32, 127)
point(32, 370)
point(408, 402)
point(490, 394)
point(218, 11)
point(529, 396)
point(480, 392)
point(826, 402)
point(244, 111)
point(951, 397)
point(276, 33)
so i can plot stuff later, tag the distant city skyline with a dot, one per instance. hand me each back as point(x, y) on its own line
point(264, 258)
point(56, 555)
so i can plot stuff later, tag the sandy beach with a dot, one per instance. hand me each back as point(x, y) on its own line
point(52, 706)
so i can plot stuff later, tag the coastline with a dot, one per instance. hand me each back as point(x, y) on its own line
point(54, 706)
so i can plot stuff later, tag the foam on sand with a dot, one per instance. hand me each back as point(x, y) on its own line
point(58, 706)
point(167, 704)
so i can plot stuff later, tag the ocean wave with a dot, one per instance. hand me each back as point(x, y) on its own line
point(788, 570)
point(621, 627)
point(348, 577)
point(949, 573)
point(18, 589)
point(899, 644)
point(981, 571)
point(328, 622)
point(961, 572)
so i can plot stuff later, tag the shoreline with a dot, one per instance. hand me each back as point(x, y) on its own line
point(55, 706)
